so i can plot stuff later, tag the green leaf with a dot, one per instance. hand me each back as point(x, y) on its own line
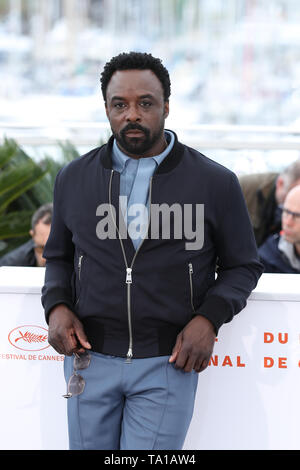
point(7, 151)
point(15, 181)
point(15, 224)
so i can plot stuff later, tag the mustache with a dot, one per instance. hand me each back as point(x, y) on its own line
point(133, 127)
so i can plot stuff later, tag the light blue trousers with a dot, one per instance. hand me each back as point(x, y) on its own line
point(147, 404)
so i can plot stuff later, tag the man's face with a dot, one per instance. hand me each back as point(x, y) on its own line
point(291, 217)
point(40, 236)
point(136, 110)
point(283, 187)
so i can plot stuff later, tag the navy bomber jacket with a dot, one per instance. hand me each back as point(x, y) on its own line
point(134, 303)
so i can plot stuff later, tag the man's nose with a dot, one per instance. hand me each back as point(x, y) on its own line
point(133, 114)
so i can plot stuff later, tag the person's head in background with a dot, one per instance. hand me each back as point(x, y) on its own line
point(40, 230)
point(291, 218)
point(288, 179)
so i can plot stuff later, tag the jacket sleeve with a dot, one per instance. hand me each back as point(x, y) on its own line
point(239, 268)
point(22, 256)
point(59, 254)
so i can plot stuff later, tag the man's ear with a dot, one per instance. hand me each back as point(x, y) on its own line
point(166, 109)
point(280, 190)
point(31, 232)
point(279, 182)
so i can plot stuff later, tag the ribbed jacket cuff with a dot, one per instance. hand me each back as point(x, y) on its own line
point(216, 310)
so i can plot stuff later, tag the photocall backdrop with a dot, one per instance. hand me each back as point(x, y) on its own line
point(247, 398)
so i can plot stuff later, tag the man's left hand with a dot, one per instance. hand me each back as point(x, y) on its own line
point(194, 345)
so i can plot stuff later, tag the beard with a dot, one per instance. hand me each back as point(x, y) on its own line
point(138, 145)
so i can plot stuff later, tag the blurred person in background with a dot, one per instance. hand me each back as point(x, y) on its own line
point(31, 253)
point(264, 193)
point(280, 253)
point(137, 316)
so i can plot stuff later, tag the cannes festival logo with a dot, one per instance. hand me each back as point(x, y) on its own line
point(29, 338)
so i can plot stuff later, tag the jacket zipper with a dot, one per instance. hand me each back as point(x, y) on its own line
point(191, 271)
point(79, 266)
point(129, 270)
point(79, 275)
point(129, 282)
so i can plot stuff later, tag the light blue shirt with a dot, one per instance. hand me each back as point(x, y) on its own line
point(135, 174)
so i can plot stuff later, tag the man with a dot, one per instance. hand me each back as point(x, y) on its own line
point(140, 307)
point(281, 252)
point(31, 252)
point(264, 192)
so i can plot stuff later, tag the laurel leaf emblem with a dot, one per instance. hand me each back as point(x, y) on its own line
point(31, 337)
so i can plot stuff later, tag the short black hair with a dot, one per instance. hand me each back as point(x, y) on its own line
point(139, 61)
point(44, 214)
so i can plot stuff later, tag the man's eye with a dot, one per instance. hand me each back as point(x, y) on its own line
point(119, 105)
point(146, 104)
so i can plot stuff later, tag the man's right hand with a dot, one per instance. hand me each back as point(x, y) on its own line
point(66, 334)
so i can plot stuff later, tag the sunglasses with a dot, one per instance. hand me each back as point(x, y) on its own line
point(76, 382)
point(294, 215)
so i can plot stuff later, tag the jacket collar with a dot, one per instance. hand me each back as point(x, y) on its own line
point(170, 162)
point(288, 251)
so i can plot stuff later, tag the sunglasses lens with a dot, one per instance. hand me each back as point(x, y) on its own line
point(75, 386)
point(76, 383)
point(82, 361)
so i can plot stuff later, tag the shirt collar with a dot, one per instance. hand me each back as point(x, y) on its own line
point(120, 158)
point(288, 250)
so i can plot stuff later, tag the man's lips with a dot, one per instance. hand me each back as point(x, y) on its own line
point(134, 133)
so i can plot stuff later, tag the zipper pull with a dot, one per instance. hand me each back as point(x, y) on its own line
point(128, 276)
point(191, 268)
point(79, 265)
point(129, 356)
